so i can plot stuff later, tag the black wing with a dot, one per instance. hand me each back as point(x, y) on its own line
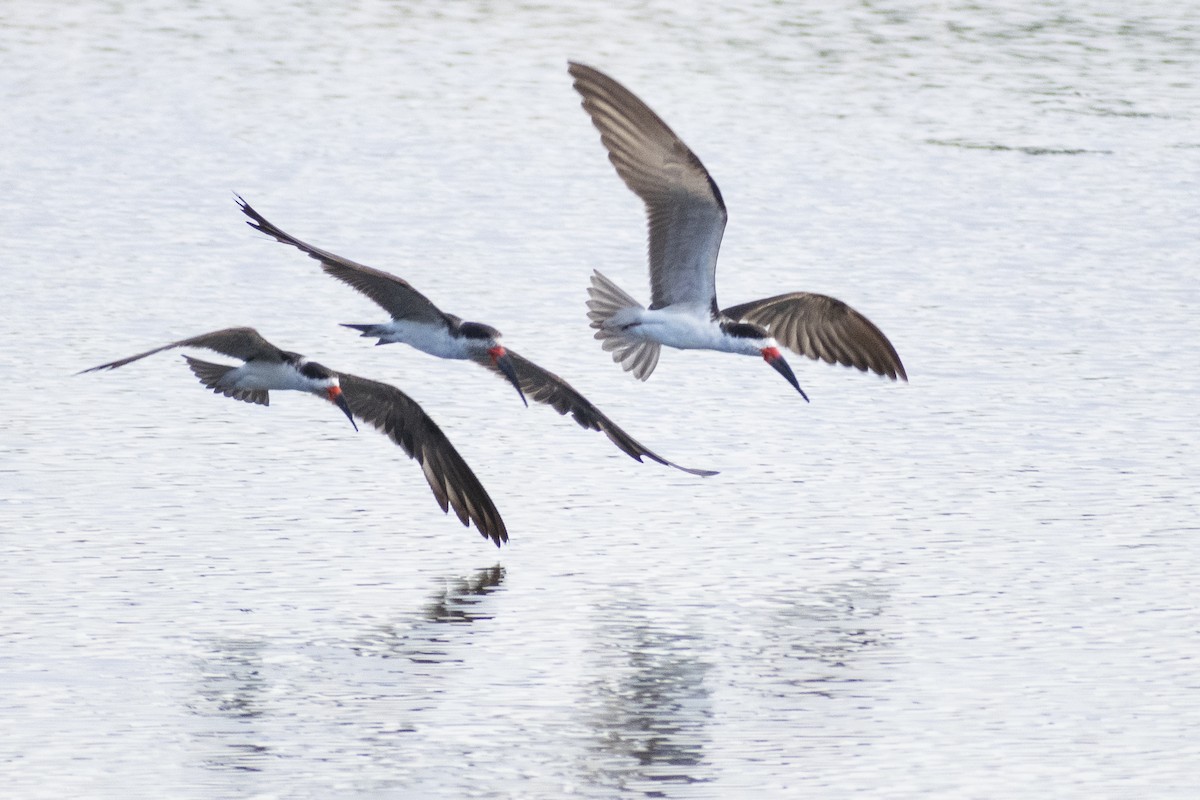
point(544, 386)
point(823, 327)
point(392, 294)
point(243, 343)
point(398, 416)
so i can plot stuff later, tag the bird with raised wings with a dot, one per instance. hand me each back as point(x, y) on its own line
point(686, 217)
point(267, 368)
point(416, 321)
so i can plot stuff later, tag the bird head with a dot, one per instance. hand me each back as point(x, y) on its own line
point(753, 340)
point(485, 339)
point(326, 384)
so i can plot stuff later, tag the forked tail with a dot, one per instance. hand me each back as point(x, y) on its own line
point(369, 331)
point(212, 375)
point(613, 313)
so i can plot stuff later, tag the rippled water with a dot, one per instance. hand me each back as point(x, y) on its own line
point(973, 585)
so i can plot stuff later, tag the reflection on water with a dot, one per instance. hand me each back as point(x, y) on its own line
point(427, 640)
point(460, 600)
point(649, 704)
point(938, 591)
point(810, 641)
point(239, 680)
point(788, 658)
point(230, 698)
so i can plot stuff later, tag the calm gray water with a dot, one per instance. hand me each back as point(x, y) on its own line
point(977, 584)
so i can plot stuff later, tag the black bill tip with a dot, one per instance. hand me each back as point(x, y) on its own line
point(776, 360)
point(339, 400)
point(505, 364)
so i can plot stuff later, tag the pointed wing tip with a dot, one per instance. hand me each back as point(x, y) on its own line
point(893, 371)
point(703, 473)
point(888, 364)
point(496, 532)
point(256, 220)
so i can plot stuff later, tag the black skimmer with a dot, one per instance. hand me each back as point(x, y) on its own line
point(268, 368)
point(415, 319)
point(686, 221)
point(418, 322)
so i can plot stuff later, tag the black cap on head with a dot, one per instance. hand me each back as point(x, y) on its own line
point(477, 330)
point(744, 330)
point(315, 371)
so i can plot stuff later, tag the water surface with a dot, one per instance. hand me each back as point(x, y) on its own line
point(975, 584)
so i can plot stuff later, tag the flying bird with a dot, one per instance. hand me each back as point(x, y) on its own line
point(416, 321)
point(686, 218)
point(267, 368)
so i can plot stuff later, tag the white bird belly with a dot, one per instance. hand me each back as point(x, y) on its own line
point(432, 339)
point(681, 329)
point(257, 375)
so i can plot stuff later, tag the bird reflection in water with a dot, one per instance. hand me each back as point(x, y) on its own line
point(232, 688)
point(237, 696)
point(460, 600)
point(651, 705)
point(427, 640)
point(820, 641)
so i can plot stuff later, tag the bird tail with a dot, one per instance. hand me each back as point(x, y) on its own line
point(614, 313)
point(212, 376)
point(367, 330)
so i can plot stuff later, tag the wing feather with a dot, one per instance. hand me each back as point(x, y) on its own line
point(402, 420)
point(244, 343)
point(543, 386)
point(686, 215)
point(824, 328)
point(394, 295)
